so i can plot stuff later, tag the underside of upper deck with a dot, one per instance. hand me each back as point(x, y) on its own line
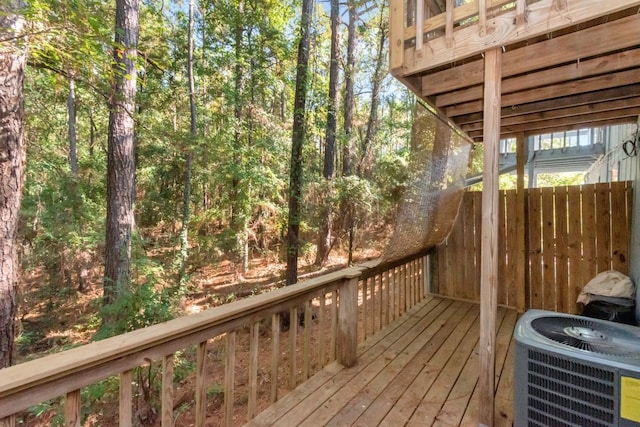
point(421, 370)
point(566, 64)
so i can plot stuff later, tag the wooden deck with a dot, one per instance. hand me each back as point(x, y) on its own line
point(421, 370)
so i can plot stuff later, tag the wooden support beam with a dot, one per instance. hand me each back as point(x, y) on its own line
point(348, 321)
point(419, 30)
point(396, 36)
point(72, 409)
point(521, 209)
point(126, 399)
point(489, 267)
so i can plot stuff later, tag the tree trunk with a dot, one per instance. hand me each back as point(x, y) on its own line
point(238, 208)
point(120, 153)
point(297, 141)
point(378, 76)
point(12, 159)
point(324, 237)
point(347, 154)
point(184, 238)
point(71, 109)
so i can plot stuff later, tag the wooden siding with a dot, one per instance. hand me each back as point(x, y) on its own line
point(573, 233)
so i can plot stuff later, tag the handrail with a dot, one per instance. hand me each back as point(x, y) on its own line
point(363, 298)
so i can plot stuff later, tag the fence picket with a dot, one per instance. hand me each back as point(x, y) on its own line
point(573, 233)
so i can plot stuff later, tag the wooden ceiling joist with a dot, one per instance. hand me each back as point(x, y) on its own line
point(595, 97)
point(547, 116)
point(626, 115)
point(577, 70)
point(553, 91)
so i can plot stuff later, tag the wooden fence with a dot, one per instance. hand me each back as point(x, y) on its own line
point(329, 316)
point(567, 236)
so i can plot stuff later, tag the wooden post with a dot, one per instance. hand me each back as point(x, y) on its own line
point(72, 410)
point(521, 13)
point(348, 320)
point(489, 267)
point(201, 384)
point(126, 395)
point(419, 27)
point(448, 29)
point(229, 378)
point(275, 352)
point(482, 25)
point(396, 36)
point(522, 255)
point(167, 391)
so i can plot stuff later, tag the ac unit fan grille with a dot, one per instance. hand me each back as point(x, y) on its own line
point(563, 392)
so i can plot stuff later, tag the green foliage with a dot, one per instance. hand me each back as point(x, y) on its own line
point(148, 302)
point(390, 176)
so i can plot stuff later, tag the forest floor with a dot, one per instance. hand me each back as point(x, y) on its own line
point(54, 317)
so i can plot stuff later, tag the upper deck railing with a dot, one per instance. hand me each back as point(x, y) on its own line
point(427, 34)
point(328, 316)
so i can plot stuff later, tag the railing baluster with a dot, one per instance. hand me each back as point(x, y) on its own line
point(419, 27)
point(253, 370)
point(414, 275)
point(167, 391)
point(322, 336)
point(72, 410)
point(229, 378)
point(201, 387)
point(448, 29)
point(387, 317)
point(275, 355)
point(306, 367)
point(392, 300)
point(397, 289)
point(293, 338)
point(372, 291)
point(334, 323)
point(379, 316)
point(9, 421)
point(125, 398)
point(365, 311)
point(521, 12)
point(482, 16)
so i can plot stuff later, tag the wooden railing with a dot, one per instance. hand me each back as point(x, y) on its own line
point(459, 32)
point(328, 317)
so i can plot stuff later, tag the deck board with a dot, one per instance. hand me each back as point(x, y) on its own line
point(422, 370)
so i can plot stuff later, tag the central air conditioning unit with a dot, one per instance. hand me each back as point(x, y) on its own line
point(575, 371)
